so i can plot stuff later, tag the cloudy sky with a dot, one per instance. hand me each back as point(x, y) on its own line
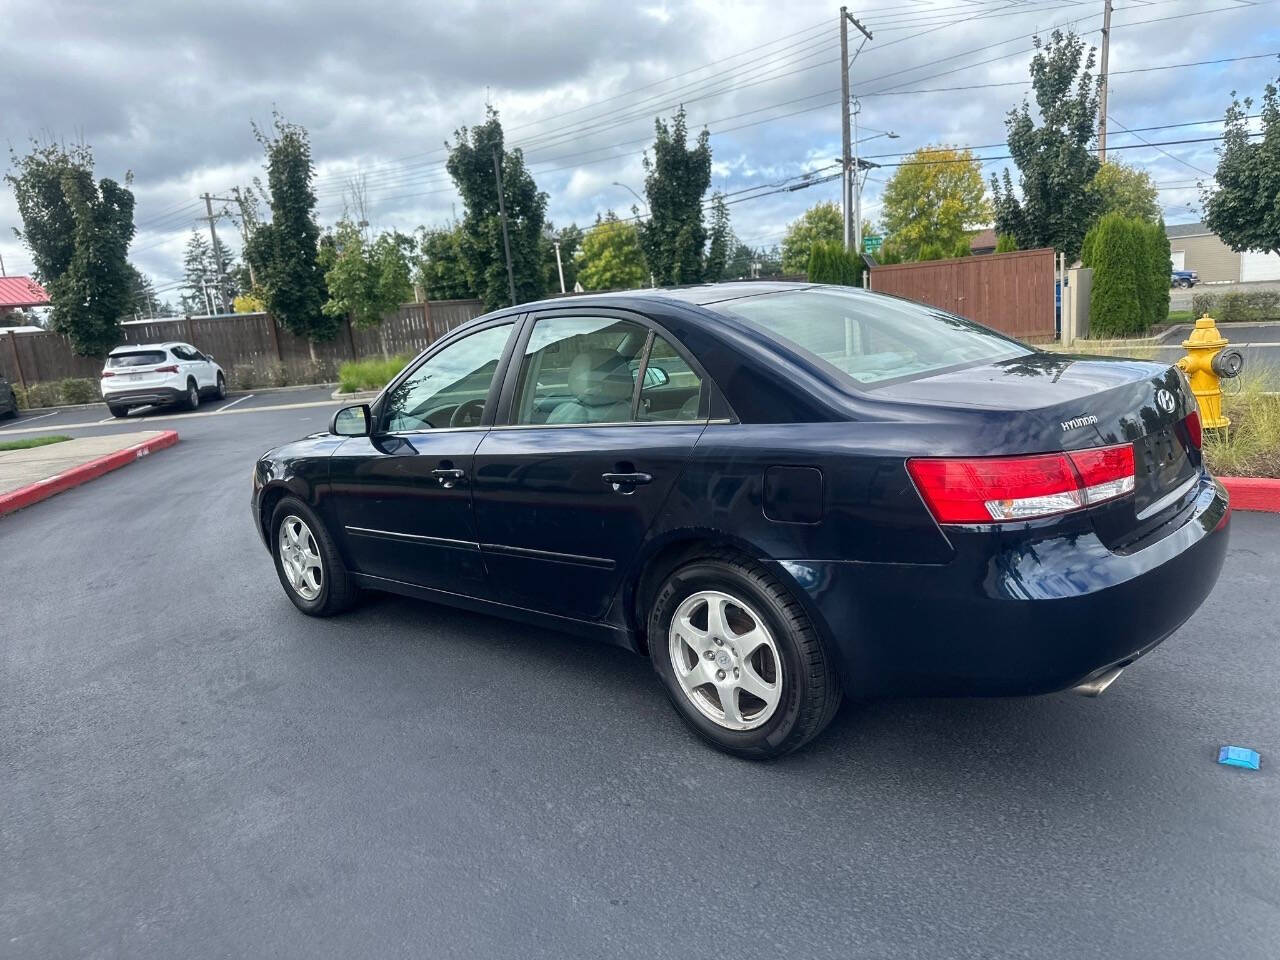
point(167, 90)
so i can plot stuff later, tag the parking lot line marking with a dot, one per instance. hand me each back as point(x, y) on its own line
point(132, 421)
point(228, 406)
point(29, 419)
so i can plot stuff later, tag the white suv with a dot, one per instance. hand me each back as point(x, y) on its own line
point(145, 374)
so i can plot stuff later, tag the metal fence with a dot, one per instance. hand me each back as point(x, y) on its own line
point(251, 347)
point(1009, 292)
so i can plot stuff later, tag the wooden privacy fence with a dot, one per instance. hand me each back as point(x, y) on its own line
point(251, 347)
point(1009, 292)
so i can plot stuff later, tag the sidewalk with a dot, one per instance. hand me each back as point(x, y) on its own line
point(29, 476)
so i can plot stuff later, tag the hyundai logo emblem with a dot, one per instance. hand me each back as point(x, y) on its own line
point(1165, 401)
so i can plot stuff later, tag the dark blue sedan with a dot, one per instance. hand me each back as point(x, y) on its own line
point(780, 493)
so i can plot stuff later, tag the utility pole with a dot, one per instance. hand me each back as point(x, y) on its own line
point(217, 253)
point(502, 213)
point(2, 273)
point(559, 265)
point(857, 184)
point(1106, 57)
point(848, 160)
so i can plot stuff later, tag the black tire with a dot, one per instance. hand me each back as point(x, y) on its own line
point(811, 691)
point(338, 592)
point(118, 411)
point(220, 392)
point(192, 399)
point(1184, 284)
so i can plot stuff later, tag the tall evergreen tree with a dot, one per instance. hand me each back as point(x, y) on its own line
point(283, 252)
point(1055, 161)
point(721, 240)
point(481, 244)
point(674, 237)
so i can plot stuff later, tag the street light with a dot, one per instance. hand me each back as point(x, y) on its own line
point(632, 192)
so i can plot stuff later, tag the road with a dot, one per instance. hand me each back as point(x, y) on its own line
point(193, 769)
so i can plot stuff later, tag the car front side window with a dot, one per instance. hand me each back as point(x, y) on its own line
point(449, 389)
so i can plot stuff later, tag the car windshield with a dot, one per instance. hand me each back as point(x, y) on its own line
point(140, 358)
point(873, 339)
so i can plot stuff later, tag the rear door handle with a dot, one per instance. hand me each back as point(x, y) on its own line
point(449, 477)
point(626, 482)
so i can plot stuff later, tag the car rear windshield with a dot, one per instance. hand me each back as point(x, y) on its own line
point(873, 339)
point(140, 358)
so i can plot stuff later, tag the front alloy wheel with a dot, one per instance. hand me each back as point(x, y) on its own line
point(725, 660)
point(300, 558)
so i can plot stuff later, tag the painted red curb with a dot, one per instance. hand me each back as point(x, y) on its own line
point(34, 493)
point(1253, 493)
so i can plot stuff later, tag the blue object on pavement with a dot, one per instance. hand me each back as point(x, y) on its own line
point(1239, 757)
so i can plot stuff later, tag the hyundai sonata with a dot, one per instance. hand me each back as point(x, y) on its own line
point(781, 494)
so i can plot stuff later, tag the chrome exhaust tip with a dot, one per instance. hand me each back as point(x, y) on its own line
point(1095, 687)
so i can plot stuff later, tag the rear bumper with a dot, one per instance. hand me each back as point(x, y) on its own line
point(143, 396)
point(1013, 614)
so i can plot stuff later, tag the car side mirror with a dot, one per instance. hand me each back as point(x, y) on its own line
point(352, 421)
point(655, 377)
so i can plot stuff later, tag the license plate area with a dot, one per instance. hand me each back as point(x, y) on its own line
point(1161, 465)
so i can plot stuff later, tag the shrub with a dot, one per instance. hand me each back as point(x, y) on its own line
point(377, 373)
point(1248, 307)
point(831, 263)
point(1153, 281)
point(78, 390)
point(1005, 243)
point(1119, 259)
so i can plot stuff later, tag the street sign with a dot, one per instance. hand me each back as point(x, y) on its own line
point(871, 244)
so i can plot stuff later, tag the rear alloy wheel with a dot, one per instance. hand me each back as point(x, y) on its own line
point(307, 561)
point(740, 659)
point(192, 399)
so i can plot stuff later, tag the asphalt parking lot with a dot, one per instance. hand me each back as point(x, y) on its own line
point(193, 769)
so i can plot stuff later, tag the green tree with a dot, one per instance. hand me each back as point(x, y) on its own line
point(1154, 286)
point(203, 289)
point(821, 223)
point(832, 263)
point(611, 257)
point(741, 257)
point(570, 239)
point(284, 252)
point(937, 197)
point(441, 271)
point(1118, 253)
point(721, 240)
point(674, 237)
point(365, 280)
point(78, 232)
point(481, 245)
point(144, 302)
point(1243, 205)
point(1005, 243)
point(1055, 162)
point(1127, 190)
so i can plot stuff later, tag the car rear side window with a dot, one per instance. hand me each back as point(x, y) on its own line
point(671, 389)
point(579, 370)
point(140, 358)
point(874, 339)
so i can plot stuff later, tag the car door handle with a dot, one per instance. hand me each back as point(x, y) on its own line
point(622, 480)
point(449, 477)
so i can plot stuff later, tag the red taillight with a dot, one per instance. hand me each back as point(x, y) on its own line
point(107, 373)
point(999, 489)
point(1194, 433)
point(171, 368)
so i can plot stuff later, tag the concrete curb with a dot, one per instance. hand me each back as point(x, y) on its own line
point(1253, 493)
point(357, 395)
point(35, 492)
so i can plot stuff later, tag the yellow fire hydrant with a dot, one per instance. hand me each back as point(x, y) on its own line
point(1206, 362)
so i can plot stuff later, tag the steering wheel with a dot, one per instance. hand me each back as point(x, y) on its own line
point(462, 413)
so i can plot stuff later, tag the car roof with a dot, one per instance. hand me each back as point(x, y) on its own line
point(134, 347)
point(699, 294)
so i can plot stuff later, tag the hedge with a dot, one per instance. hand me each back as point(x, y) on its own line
point(1238, 307)
point(1130, 261)
point(832, 263)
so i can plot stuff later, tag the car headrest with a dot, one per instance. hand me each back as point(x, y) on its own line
point(600, 377)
